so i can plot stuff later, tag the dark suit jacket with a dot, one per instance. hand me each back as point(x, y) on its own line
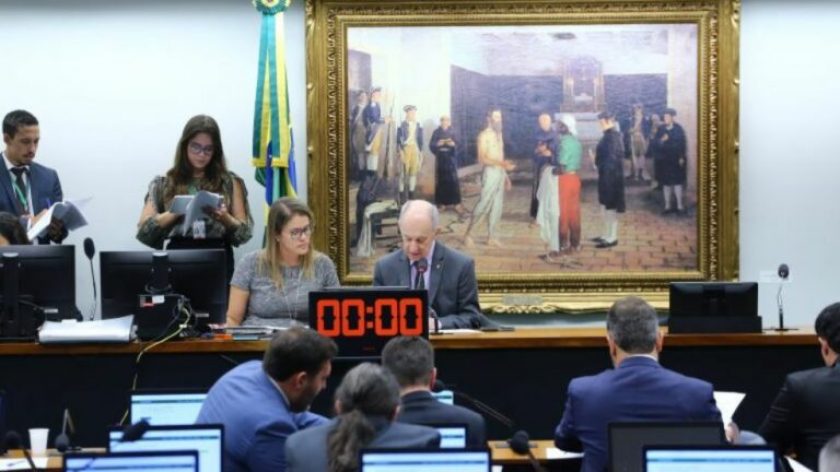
point(402, 135)
point(306, 451)
point(46, 190)
point(256, 417)
point(805, 414)
point(638, 390)
point(424, 409)
point(453, 290)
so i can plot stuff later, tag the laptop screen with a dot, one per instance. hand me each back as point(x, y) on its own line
point(206, 439)
point(628, 440)
point(404, 460)
point(162, 408)
point(169, 461)
point(734, 459)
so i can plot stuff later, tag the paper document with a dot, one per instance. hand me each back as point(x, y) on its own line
point(552, 453)
point(727, 403)
point(796, 466)
point(458, 331)
point(195, 208)
point(20, 463)
point(115, 330)
point(180, 204)
point(68, 212)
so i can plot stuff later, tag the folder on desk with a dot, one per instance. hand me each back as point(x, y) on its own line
point(115, 330)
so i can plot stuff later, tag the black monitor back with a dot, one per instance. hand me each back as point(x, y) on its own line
point(627, 440)
point(198, 274)
point(48, 274)
point(714, 307)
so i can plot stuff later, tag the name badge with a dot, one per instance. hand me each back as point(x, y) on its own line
point(199, 229)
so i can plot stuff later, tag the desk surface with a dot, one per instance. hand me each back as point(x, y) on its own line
point(522, 338)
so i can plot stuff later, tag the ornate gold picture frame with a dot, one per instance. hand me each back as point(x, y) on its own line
point(382, 75)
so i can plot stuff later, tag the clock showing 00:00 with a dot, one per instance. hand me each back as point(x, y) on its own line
point(353, 317)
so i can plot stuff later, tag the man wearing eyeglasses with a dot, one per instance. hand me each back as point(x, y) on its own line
point(28, 188)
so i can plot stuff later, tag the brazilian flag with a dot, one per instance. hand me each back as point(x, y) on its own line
point(273, 146)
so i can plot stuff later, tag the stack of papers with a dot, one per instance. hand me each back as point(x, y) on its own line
point(116, 330)
point(727, 403)
point(68, 212)
point(192, 207)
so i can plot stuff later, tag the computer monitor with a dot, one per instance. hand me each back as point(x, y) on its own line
point(165, 407)
point(627, 440)
point(207, 439)
point(710, 459)
point(445, 396)
point(452, 436)
point(48, 275)
point(714, 307)
point(198, 274)
point(412, 460)
point(169, 461)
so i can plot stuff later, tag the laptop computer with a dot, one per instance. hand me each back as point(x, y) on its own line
point(207, 439)
point(627, 440)
point(452, 435)
point(165, 407)
point(412, 460)
point(160, 461)
point(710, 459)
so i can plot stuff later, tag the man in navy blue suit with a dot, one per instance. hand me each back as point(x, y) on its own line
point(637, 389)
point(261, 404)
point(27, 188)
point(412, 361)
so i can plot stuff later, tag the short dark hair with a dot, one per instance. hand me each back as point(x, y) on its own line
point(17, 119)
point(633, 325)
point(11, 229)
point(297, 350)
point(827, 326)
point(410, 359)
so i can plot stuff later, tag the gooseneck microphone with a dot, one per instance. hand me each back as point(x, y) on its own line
point(422, 265)
point(13, 441)
point(519, 443)
point(90, 251)
point(62, 441)
point(784, 273)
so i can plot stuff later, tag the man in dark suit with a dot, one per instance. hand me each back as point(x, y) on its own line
point(806, 412)
point(27, 188)
point(412, 361)
point(263, 403)
point(637, 389)
point(449, 277)
point(366, 402)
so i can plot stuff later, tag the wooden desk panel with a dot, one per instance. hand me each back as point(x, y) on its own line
point(523, 338)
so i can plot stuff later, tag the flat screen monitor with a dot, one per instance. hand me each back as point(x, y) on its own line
point(413, 460)
point(362, 319)
point(452, 436)
point(627, 441)
point(720, 299)
point(207, 439)
point(445, 396)
point(169, 461)
point(198, 274)
point(165, 407)
point(707, 459)
point(48, 275)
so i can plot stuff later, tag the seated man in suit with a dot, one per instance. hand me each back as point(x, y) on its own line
point(28, 188)
point(366, 402)
point(448, 275)
point(262, 403)
point(637, 389)
point(412, 361)
point(806, 413)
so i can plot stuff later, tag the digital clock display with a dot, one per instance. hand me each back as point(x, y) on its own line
point(362, 320)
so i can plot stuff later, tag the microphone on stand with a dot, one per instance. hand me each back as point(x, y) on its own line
point(784, 273)
point(90, 251)
point(62, 441)
point(422, 265)
point(519, 443)
point(13, 441)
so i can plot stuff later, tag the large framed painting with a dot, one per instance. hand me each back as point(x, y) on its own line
point(577, 150)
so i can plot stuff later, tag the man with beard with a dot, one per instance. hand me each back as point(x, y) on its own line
point(447, 186)
point(261, 404)
point(494, 179)
point(608, 160)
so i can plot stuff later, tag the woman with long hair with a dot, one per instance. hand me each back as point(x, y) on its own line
point(199, 165)
point(366, 403)
point(271, 286)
